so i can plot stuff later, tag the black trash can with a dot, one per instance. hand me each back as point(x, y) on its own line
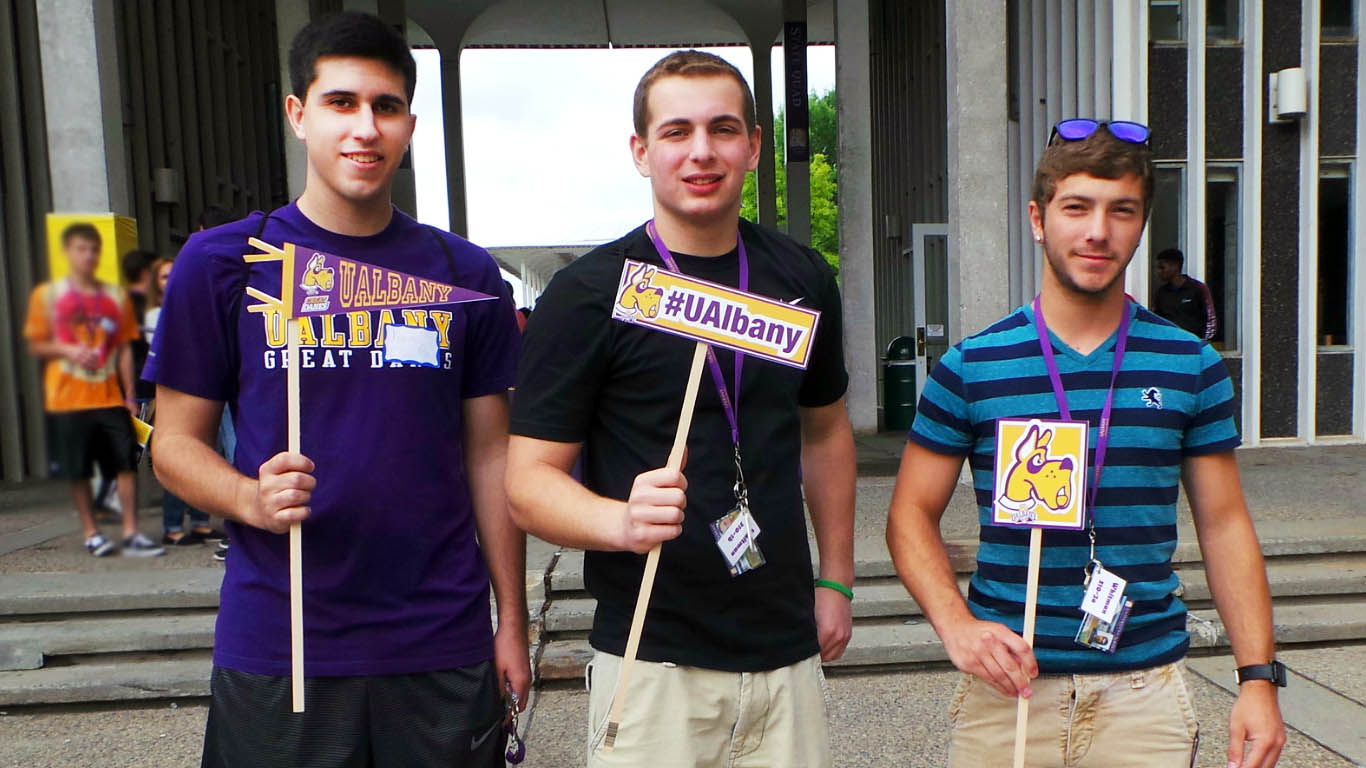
point(898, 384)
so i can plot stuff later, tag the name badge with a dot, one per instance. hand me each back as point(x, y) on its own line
point(1104, 635)
point(1104, 596)
point(412, 345)
point(735, 535)
point(735, 540)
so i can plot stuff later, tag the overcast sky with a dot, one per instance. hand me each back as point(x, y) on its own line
point(546, 131)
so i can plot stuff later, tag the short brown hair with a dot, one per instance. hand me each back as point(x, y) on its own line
point(1100, 155)
point(84, 230)
point(689, 64)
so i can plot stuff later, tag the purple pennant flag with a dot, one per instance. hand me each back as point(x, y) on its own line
point(324, 284)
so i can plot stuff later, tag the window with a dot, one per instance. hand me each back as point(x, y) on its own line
point(1165, 21)
point(1223, 256)
point(1335, 232)
point(1337, 19)
point(1223, 22)
point(1166, 226)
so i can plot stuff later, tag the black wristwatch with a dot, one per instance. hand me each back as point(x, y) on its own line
point(1275, 672)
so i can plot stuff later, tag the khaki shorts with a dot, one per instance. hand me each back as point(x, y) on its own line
point(687, 717)
point(1139, 718)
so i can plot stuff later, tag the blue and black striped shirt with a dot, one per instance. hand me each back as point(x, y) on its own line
point(1173, 399)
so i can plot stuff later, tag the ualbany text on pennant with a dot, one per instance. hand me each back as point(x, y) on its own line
point(317, 283)
point(715, 314)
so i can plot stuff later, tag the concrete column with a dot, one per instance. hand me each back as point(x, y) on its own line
point(1129, 101)
point(852, 80)
point(798, 136)
point(451, 114)
point(118, 166)
point(78, 150)
point(290, 17)
point(404, 192)
point(766, 178)
point(979, 230)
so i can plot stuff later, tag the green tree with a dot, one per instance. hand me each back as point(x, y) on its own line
point(824, 137)
point(824, 186)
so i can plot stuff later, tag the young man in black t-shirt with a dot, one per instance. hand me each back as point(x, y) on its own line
point(1182, 299)
point(729, 664)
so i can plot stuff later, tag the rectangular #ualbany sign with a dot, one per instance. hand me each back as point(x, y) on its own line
point(716, 314)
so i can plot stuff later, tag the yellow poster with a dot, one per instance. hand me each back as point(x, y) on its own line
point(1040, 473)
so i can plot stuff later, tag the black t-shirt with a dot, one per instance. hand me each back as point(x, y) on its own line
point(1186, 306)
point(618, 388)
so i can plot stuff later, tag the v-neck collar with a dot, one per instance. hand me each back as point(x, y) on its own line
point(1099, 354)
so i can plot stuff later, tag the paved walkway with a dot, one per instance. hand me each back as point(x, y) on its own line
point(885, 718)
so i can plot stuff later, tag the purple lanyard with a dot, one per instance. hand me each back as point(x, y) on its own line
point(716, 376)
point(1053, 376)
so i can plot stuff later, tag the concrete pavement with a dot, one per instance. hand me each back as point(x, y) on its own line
point(894, 716)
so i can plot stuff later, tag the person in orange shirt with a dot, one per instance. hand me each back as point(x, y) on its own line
point(82, 329)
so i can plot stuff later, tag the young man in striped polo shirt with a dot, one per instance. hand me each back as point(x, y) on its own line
point(1171, 417)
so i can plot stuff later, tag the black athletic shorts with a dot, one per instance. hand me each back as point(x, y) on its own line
point(80, 439)
point(449, 718)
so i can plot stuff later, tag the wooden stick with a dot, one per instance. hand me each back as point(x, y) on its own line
point(1031, 604)
point(647, 580)
point(296, 561)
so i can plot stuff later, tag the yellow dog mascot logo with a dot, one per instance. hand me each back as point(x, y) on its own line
point(317, 275)
point(1036, 478)
point(641, 297)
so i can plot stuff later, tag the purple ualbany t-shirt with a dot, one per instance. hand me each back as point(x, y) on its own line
point(394, 582)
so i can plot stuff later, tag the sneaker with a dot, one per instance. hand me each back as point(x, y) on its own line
point(184, 540)
point(138, 545)
point(98, 545)
point(208, 533)
point(221, 554)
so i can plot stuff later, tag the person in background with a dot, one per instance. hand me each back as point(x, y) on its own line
point(82, 329)
point(512, 296)
point(134, 267)
point(1182, 299)
point(173, 508)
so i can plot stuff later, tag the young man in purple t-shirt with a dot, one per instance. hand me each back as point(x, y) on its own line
point(401, 465)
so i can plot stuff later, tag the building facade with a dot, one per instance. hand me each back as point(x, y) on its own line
point(157, 108)
point(1266, 207)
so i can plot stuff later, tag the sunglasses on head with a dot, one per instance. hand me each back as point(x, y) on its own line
point(1079, 128)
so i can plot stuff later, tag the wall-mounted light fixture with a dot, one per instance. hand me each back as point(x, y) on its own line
point(1289, 95)
point(166, 185)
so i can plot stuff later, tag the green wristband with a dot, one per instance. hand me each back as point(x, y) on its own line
point(835, 585)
